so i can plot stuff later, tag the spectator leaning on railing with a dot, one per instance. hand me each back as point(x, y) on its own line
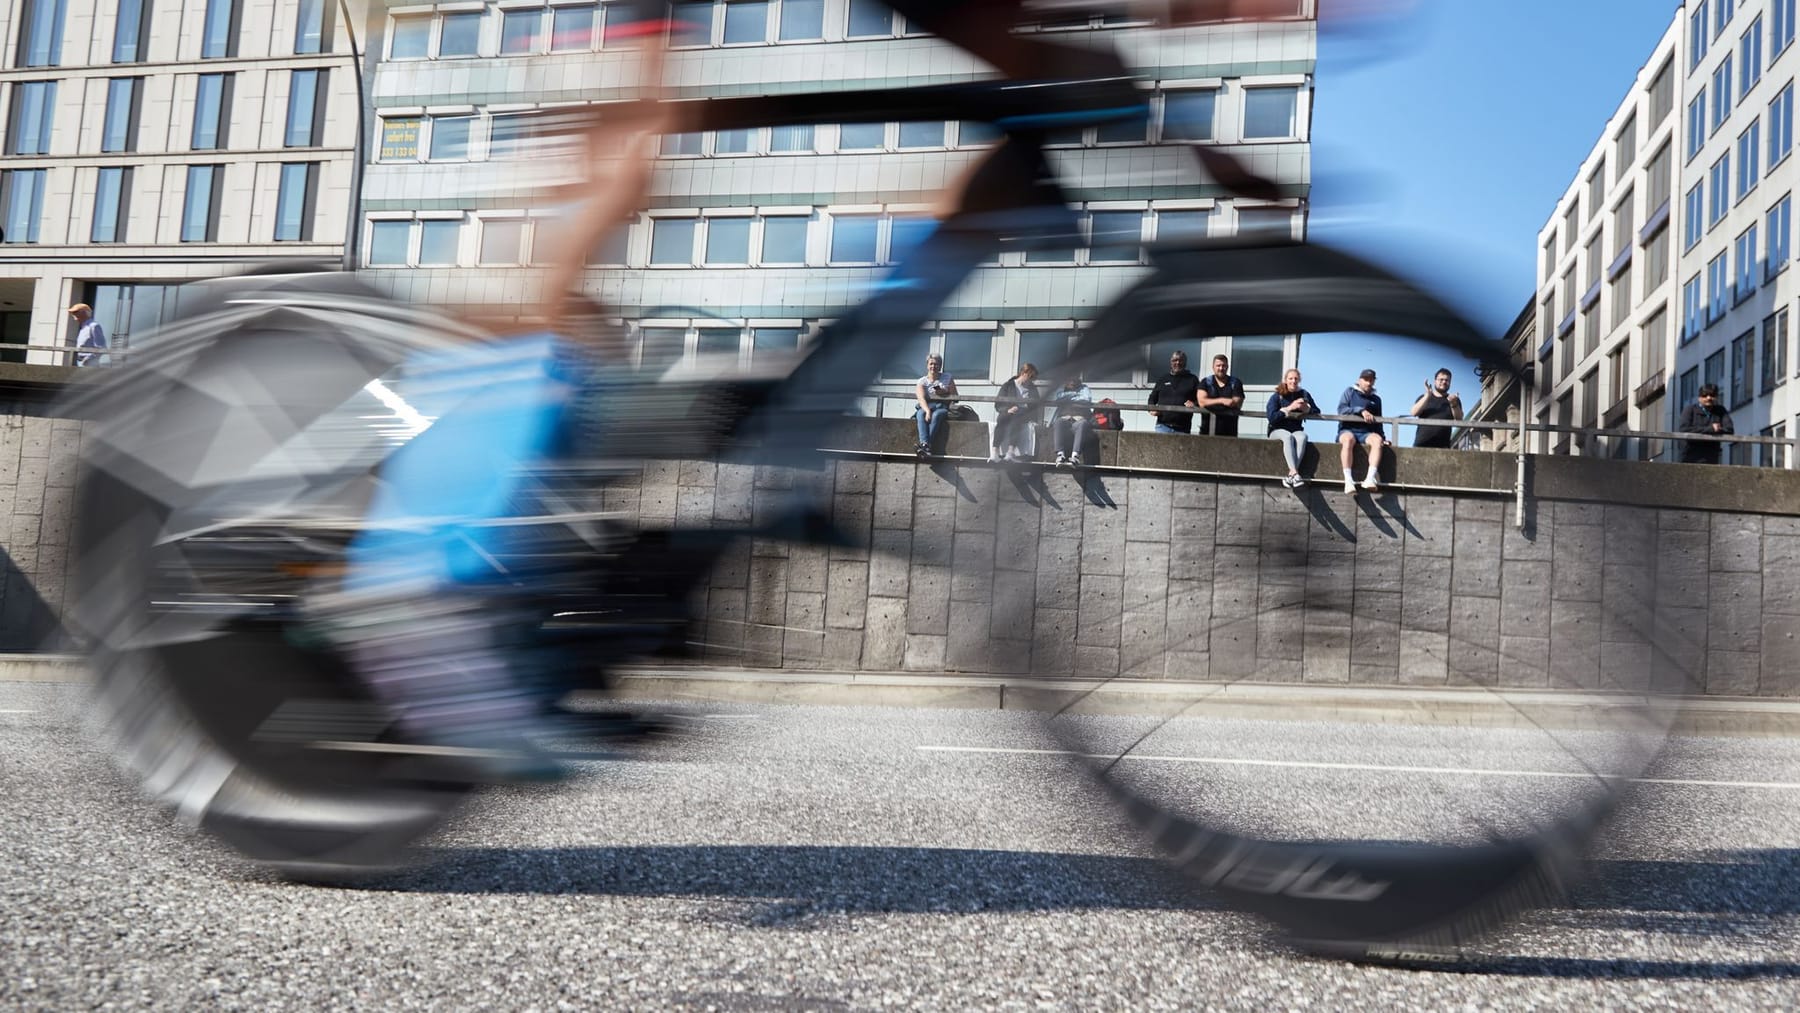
point(1438, 402)
point(1705, 417)
point(1221, 394)
point(1179, 387)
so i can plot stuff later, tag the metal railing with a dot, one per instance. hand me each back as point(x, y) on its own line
point(66, 354)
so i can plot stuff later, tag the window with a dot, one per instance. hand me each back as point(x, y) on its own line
point(1778, 225)
point(1595, 265)
point(1271, 113)
point(200, 210)
point(801, 20)
point(1131, 130)
point(1265, 222)
point(1721, 94)
point(791, 138)
point(33, 112)
point(672, 240)
point(1178, 226)
point(1621, 296)
point(21, 204)
point(387, 243)
point(1698, 36)
point(1774, 350)
point(1749, 153)
point(400, 139)
point(306, 109)
point(1718, 287)
point(1713, 370)
point(1618, 380)
point(868, 18)
point(1596, 189)
point(1658, 180)
point(1655, 337)
point(450, 138)
point(973, 134)
point(1724, 10)
point(411, 39)
point(1774, 455)
point(1115, 236)
point(906, 232)
point(784, 240)
point(572, 28)
point(1656, 261)
point(1549, 257)
point(1687, 388)
point(1745, 250)
point(919, 135)
point(1624, 223)
point(1044, 349)
point(1696, 123)
point(522, 31)
point(1719, 180)
point(1625, 146)
point(1189, 115)
point(773, 339)
point(459, 34)
point(1781, 28)
point(862, 136)
point(1693, 309)
point(854, 238)
point(120, 128)
point(296, 201)
point(212, 112)
point(40, 34)
point(312, 28)
point(1750, 53)
point(128, 31)
point(734, 142)
point(681, 144)
point(970, 354)
point(1743, 369)
point(219, 31)
point(1571, 225)
point(440, 242)
point(502, 241)
point(728, 240)
point(1256, 358)
point(1662, 94)
point(1590, 331)
point(112, 199)
point(746, 21)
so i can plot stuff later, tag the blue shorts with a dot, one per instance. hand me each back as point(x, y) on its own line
point(1362, 435)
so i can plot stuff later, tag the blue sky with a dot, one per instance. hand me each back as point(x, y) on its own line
point(1442, 141)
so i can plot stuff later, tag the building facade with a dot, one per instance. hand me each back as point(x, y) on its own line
point(152, 142)
point(753, 238)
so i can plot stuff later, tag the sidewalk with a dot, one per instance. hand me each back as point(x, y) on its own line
point(1242, 700)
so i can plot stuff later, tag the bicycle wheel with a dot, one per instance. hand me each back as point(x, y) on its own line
point(219, 472)
point(1402, 840)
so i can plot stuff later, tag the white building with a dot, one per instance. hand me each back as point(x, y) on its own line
point(152, 142)
point(753, 238)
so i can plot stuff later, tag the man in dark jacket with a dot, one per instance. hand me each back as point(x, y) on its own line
point(1221, 394)
point(1178, 387)
point(1705, 417)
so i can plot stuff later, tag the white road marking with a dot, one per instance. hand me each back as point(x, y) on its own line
point(1231, 761)
point(18, 712)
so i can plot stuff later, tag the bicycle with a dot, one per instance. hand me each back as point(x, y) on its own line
point(198, 541)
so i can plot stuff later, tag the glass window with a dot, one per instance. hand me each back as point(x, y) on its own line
point(502, 241)
point(1696, 123)
point(1625, 147)
point(1718, 287)
point(906, 233)
point(717, 341)
point(1693, 309)
point(969, 355)
point(521, 31)
point(791, 138)
point(1712, 369)
point(1750, 63)
point(21, 204)
point(111, 197)
point(681, 144)
point(120, 132)
point(128, 31)
point(1777, 227)
point(387, 243)
point(1115, 236)
point(868, 17)
point(1743, 369)
point(908, 362)
point(672, 240)
point(1749, 155)
point(1719, 181)
point(728, 240)
point(853, 238)
point(1721, 93)
point(972, 133)
point(1745, 250)
point(400, 138)
point(1698, 34)
point(1658, 180)
point(784, 240)
point(1662, 94)
point(746, 21)
point(1131, 130)
point(1270, 112)
point(440, 241)
point(1188, 115)
point(571, 29)
point(1596, 189)
point(692, 23)
point(412, 38)
point(922, 135)
point(200, 210)
point(661, 345)
point(219, 31)
point(802, 19)
point(1781, 125)
point(295, 203)
point(774, 339)
point(305, 111)
point(1693, 215)
point(460, 34)
point(613, 247)
point(450, 138)
point(212, 111)
point(1781, 28)
point(1256, 359)
point(1177, 226)
point(508, 134)
point(862, 136)
point(1043, 349)
point(312, 28)
point(734, 142)
point(1051, 255)
point(1656, 260)
point(33, 113)
point(1278, 222)
point(1774, 350)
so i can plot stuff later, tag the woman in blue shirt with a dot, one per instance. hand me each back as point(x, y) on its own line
point(1288, 408)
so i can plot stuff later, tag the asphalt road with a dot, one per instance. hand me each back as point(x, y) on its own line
point(844, 858)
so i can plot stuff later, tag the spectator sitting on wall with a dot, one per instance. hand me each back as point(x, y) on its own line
point(1438, 402)
point(1361, 402)
point(1222, 395)
point(933, 391)
point(1705, 417)
point(1288, 408)
point(1074, 422)
point(89, 337)
point(1013, 416)
point(1178, 387)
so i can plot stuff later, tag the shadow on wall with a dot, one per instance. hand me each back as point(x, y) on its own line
point(26, 623)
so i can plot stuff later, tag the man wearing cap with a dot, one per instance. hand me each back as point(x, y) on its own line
point(1364, 406)
point(88, 335)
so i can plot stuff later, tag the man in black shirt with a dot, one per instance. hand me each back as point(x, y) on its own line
point(1177, 387)
point(1706, 417)
point(1222, 395)
point(1436, 403)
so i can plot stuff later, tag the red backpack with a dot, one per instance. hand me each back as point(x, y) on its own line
point(1108, 417)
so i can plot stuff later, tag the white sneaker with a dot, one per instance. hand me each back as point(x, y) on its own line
point(1349, 486)
point(1293, 481)
point(1017, 455)
point(1371, 483)
point(1075, 459)
point(994, 456)
point(1062, 459)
